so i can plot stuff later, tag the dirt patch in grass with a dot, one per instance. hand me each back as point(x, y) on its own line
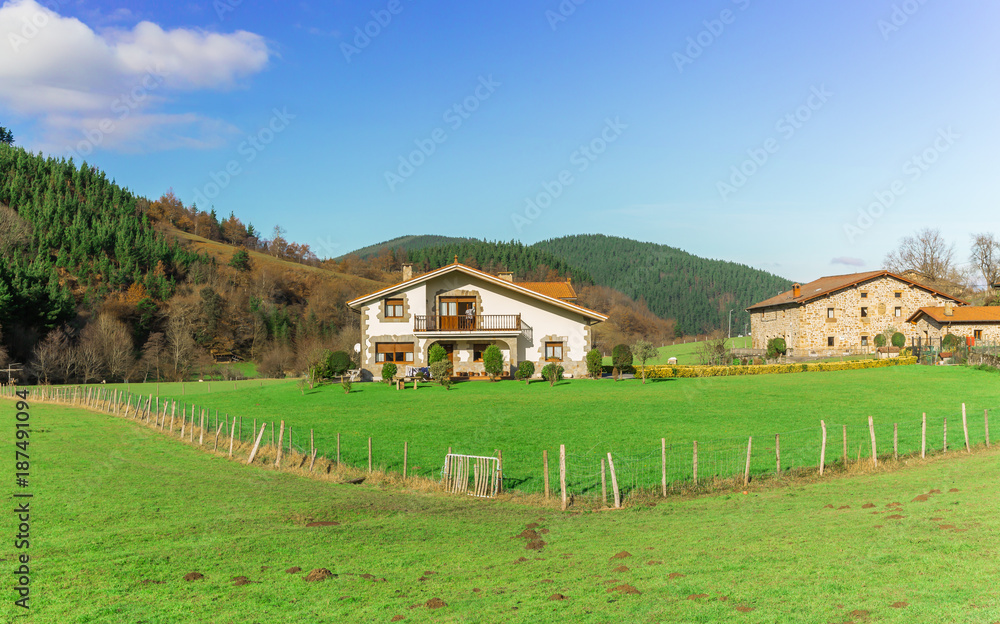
point(946, 527)
point(624, 589)
point(520, 560)
point(622, 555)
point(697, 596)
point(621, 568)
point(868, 506)
point(952, 490)
point(371, 577)
point(674, 575)
point(557, 597)
point(151, 582)
point(827, 506)
point(859, 613)
point(241, 580)
point(528, 534)
point(899, 605)
point(843, 507)
point(319, 574)
point(936, 519)
point(435, 603)
point(894, 505)
point(323, 523)
point(397, 618)
point(934, 492)
point(920, 499)
point(894, 517)
point(743, 609)
point(193, 576)
point(293, 570)
point(533, 525)
point(544, 531)
point(429, 572)
point(654, 562)
point(535, 544)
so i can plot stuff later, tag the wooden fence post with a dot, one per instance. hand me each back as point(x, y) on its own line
point(614, 482)
point(562, 473)
point(695, 462)
point(281, 436)
point(369, 454)
point(986, 424)
point(923, 437)
point(871, 430)
point(545, 472)
point(406, 449)
point(217, 432)
point(822, 450)
point(313, 460)
point(895, 441)
point(173, 413)
point(965, 428)
point(312, 447)
point(777, 454)
point(201, 436)
point(746, 471)
point(256, 445)
point(945, 435)
point(663, 463)
point(232, 434)
point(499, 471)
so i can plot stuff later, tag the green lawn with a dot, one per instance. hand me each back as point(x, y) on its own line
point(121, 514)
point(625, 418)
point(687, 353)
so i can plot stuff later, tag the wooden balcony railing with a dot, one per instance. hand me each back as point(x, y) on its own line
point(482, 322)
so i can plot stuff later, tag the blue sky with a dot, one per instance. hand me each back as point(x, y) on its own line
point(802, 138)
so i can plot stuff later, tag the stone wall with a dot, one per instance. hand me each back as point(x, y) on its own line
point(929, 329)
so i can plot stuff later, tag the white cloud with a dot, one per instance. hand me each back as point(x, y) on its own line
point(69, 78)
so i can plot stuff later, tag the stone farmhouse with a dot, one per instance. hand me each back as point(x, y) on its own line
point(842, 313)
point(975, 324)
point(466, 310)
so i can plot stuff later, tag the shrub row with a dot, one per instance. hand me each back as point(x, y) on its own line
point(663, 372)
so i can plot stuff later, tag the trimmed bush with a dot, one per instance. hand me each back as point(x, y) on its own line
point(880, 340)
point(436, 354)
point(898, 340)
point(594, 362)
point(388, 372)
point(950, 342)
point(525, 371)
point(493, 362)
point(552, 372)
point(621, 358)
point(776, 347)
point(663, 371)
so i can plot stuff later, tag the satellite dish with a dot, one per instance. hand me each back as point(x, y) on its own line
point(357, 348)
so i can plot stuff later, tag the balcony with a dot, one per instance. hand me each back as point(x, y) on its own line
point(468, 323)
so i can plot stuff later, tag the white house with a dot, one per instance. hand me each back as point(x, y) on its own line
point(466, 310)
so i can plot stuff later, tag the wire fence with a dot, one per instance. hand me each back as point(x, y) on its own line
point(662, 465)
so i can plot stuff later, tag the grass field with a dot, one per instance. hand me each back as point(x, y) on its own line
point(122, 514)
point(687, 353)
point(625, 418)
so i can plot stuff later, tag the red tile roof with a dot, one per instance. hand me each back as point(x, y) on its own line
point(559, 290)
point(960, 314)
point(827, 285)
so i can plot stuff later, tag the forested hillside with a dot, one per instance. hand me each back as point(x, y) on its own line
point(408, 244)
point(70, 236)
point(698, 293)
point(527, 263)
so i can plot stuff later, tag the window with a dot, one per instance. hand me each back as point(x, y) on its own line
point(864, 312)
point(898, 311)
point(829, 341)
point(831, 313)
point(477, 352)
point(977, 334)
point(864, 341)
point(864, 295)
point(393, 308)
point(899, 295)
point(553, 352)
point(394, 352)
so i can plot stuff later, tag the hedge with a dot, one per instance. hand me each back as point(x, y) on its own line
point(661, 371)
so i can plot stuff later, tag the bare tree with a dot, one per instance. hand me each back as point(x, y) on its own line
point(115, 343)
point(14, 230)
point(926, 252)
point(87, 354)
point(47, 355)
point(985, 256)
point(152, 355)
point(66, 362)
point(180, 343)
point(714, 351)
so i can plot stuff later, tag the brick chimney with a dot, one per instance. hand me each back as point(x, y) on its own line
point(796, 291)
point(407, 271)
point(506, 275)
point(948, 309)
